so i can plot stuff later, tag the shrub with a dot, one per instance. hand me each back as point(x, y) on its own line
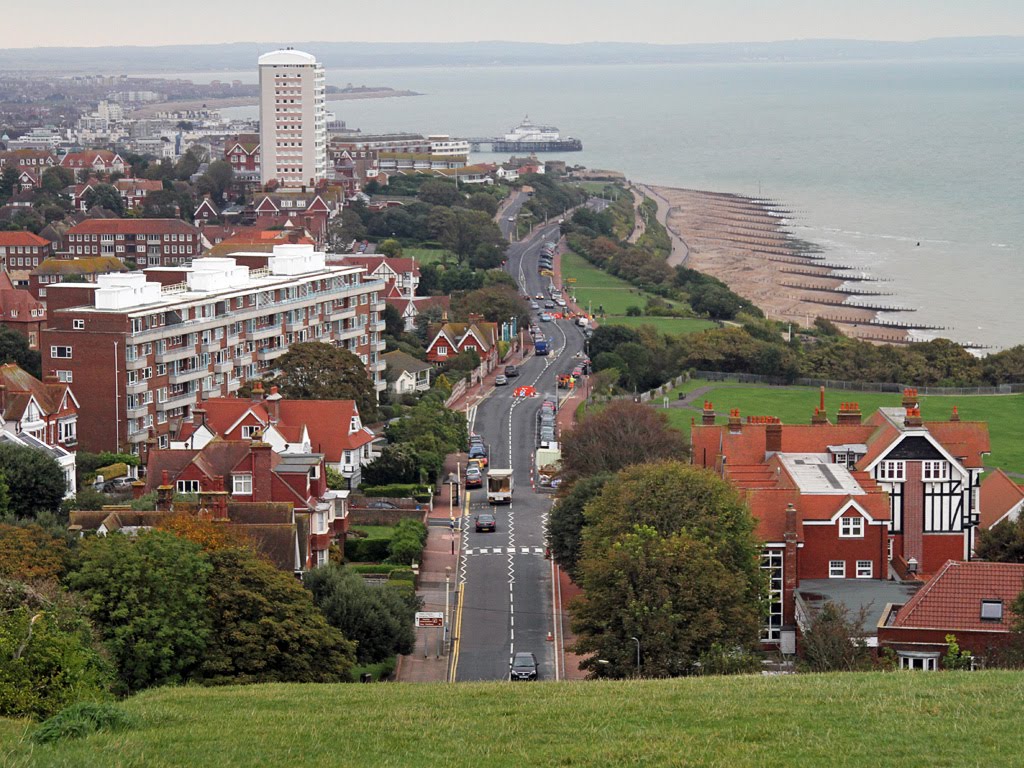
point(367, 550)
point(407, 543)
point(392, 490)
point(633, 311)
point(80, 720)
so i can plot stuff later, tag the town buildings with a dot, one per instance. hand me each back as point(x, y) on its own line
point(144, 348)
point(147, 242)
point(293, 119)
point(890, 497)
point(23, 250)
point(42, 415)
point(406, 375)
point(21, 311)
point(86, 268)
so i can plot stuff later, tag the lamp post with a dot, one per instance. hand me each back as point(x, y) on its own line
point(447, 582)
point(637, 641)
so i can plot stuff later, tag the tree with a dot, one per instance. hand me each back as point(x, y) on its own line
point(216, 181)
point(391, 248)
point(397, 463)
point(607, 338)
point(495, 303)
point(148, 597)
point(394, 323)
point(379, 620)
point(623, 434)
point(9, 182)
point(30, 553)
point(189, 163)
point(438, 192)
point(105, 196)
point(14, 349)
point(834, 642)
point(161, 204)
point(209, 535)
point(313, 370)
point(671, 593)
point(56, 179)
point(1002, 543)
point(35, 482)
point(565, 525)
point(264, 627)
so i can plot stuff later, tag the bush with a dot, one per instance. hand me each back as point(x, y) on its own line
point(392, 490)
point(367, 550)
point(80, 720)
point(633, 311)
point(407, 543)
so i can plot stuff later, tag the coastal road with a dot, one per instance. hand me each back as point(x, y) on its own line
point(507, 603)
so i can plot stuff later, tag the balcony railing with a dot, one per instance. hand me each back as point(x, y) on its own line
point(177, 401)
point(182, 377)
point(172, 355)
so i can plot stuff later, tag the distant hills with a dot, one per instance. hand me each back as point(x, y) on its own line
point(235, 56)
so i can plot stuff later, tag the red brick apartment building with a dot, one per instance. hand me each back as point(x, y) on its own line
point(23, 250)
point(143, 348)
point(150, 242)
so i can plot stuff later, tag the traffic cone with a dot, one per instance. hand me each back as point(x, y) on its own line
point(551, 638)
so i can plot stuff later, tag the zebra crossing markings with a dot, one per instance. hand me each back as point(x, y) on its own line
point(504, 551)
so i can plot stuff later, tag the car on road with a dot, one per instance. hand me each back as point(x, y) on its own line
point(534, 305)
point(500, 380)
point(524, 666)
point(511, 218)
point(560, 301)
point(549, 305)
point(511, 371)
point(485, 522)
point(381, 505)
point(478, 451)
point(474, 478)
point(539, 296)
point(474, 463)
point(545, 318)
point(577, 371)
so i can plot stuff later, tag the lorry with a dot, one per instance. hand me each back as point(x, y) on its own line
point(540, 347)
point(499, 486)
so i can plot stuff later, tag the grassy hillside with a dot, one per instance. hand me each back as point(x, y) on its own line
point(904, 719)
point(794, 405)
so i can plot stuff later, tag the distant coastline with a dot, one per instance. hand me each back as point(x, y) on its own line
point(247, 101)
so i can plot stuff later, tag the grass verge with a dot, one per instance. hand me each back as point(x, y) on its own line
point(907, 719)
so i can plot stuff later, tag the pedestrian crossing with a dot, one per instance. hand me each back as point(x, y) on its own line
point(505, 551)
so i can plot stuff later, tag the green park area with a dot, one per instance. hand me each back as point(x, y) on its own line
point(794, 405)
point(596, 289)
point(907, 719)
point(429, 255)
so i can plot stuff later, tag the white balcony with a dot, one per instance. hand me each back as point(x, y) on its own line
point(172, 355)
point(269, 332)
point(224, 366)
point(177, 401)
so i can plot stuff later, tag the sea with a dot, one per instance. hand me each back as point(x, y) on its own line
point(910, 170)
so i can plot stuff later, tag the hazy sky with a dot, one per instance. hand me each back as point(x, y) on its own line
point(160, 22)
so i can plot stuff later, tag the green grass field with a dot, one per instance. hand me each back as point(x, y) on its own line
point(429, 255)
point(939, 720)
point(671, 325)
point(375, 531)
point(1003, 413)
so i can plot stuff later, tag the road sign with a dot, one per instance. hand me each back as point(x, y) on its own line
point(570, 279)
point(429, 619)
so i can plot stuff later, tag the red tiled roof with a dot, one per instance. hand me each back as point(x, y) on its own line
point(328, 424)
point(16, 305)
point(222, 413)
point(951, 600)
point(999, 494)
point(22, 239)
point(132, 227)
point(18, 381)
point(966, 440)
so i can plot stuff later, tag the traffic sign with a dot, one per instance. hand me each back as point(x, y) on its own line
point(429, 619)
point(570, 279)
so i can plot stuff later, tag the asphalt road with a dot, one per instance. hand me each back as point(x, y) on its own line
point(507, 603)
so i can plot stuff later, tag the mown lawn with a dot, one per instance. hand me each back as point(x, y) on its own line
point(375, 531)
point(429, 255)
point(794, 405)
point(940, 720)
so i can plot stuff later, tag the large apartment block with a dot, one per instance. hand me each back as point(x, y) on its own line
point(293, 119)
point(143, 348)
point(147, 242)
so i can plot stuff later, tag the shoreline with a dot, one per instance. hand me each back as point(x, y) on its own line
point(743, 241)
point(254, 101)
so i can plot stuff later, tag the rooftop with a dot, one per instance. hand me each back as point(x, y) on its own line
point(814, 474)
point(873, 595)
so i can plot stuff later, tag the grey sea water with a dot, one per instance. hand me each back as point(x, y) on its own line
point(913, 170)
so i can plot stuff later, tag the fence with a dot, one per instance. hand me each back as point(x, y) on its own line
point(458, 390)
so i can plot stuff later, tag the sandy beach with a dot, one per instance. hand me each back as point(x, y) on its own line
point(744, 243)
point(246, 101)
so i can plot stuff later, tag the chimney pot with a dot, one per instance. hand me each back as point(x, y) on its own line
point(956, 414)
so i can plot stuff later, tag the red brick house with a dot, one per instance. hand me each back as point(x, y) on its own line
point(1002, 499)
point(243, 153)
point(40, 159)
point(94, 161)
point(23, 250)
point(401, 276)
point(251, 471)
point(53, 271)
point(149, 242)
point(452, 338)
point(971, 600)
point(21, 311)
point(310, 209)
point(329, 427)
point(889, 497)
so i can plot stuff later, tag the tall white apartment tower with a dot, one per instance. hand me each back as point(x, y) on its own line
point(293, 120)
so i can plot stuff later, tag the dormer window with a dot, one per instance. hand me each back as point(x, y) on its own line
point(991, 610)
point(354, 425)
point(851, 527)
point(935, 470)
point(892, 470)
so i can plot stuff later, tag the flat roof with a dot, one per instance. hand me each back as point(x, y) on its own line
point(854, 594)
point(815, 474)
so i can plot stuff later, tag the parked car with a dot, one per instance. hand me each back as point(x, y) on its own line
point(474, 463)
point(549, 304)
point(478, 451)
point(500, 380)
point(381, 505)
point(474, 478)
point(545, 318)
point(511, 371)
point(534, 305)
point(524, 666)
point(119, 485)
point(485, 522)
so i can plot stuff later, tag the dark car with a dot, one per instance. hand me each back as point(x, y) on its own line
point(485, 522)
point(524, 666)
point(381, 505)
point(511, 371)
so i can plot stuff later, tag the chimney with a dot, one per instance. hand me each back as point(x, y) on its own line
point(773, 435)
point(913, 418)
point(849, 413)
point(51, 378)
point(820, 417)
point(910, 398)
point(257, 391)
point(708, 415)
point(789, 568)
point(262, 456)
point(165, 493)
point(273, 402)
point(473, 317)
point(3, 399)
point(198, 416)
point(956, 414)
point(735, 425)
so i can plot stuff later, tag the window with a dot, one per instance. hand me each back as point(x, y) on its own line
point(991, 610)
point(851, 527)
point(837, 569)
point(241, 484)
point(920, 661)
point(771, 565)
point(249, 431)
point(63, 353)
point(64, 377)
point(442, 350)
point(935, 470)
point(187, 486)
point(865, 569)
point(892, 470)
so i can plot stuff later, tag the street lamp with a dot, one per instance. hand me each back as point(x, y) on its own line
point(637, 641)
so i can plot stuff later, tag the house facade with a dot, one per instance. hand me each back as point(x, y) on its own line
point(450, 339)
point(401, 276)
point(147, 242)
point(406, 375)
point(94, 161)
point(23, 250)
point(21, 311)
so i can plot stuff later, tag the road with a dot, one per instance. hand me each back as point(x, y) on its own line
point(507, 602)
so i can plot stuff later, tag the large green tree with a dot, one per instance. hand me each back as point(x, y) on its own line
point(105, 196)
point(216, 181)
point(265, 628)
point(378, 619)
point(313, 370)
point(35, 482)
point(1002, 543)
point(565, 524)
point(14, 349)
point(148, 596)
point(623, 434)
